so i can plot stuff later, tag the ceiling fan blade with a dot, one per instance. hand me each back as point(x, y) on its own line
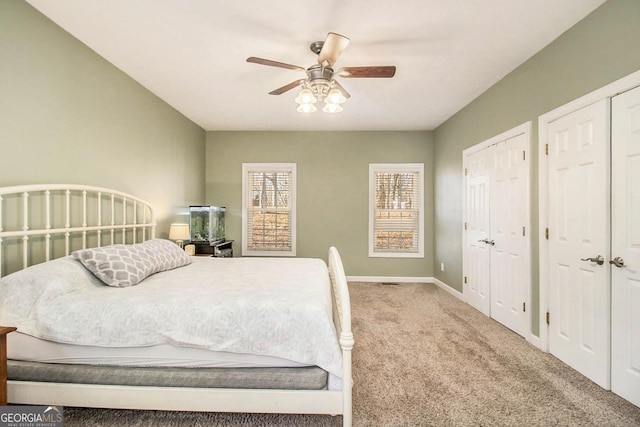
point(285, 88)
point(271, 63)
point(332, 48)
point(341, 89)
point(368, 72)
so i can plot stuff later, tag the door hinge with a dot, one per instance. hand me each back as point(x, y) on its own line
point(546, 149)
point(547, 317)
point(524, 155)
point(546, 233)
point(465, 225)
point(524, 307)
point(523, 231)
point(465, 279)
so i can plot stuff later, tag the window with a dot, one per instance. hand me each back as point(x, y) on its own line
point(269, 209)
point(396, 217)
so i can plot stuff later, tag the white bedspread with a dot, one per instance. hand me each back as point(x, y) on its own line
point(275, 307)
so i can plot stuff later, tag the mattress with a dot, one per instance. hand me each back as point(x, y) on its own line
point(306, 378)
point(33, 359)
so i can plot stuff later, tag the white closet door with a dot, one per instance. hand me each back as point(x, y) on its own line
point(579, 294)
point(477, 252)
point(509, 252)
point(625, 304)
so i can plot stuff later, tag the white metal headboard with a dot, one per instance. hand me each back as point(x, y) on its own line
point(51, 213)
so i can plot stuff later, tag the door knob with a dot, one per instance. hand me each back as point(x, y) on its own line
point(598, 260)
point(488, 242)
point(617, 261)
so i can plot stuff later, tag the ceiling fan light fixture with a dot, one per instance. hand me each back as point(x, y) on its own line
point(306, 108)
point(332, 108)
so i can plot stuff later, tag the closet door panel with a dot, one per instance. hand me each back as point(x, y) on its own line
point(476, 287)
point(625, 276)
point(509, 214)
point(579, 297)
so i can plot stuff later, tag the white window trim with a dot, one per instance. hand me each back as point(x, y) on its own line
point(268, 167)
point(395, 168)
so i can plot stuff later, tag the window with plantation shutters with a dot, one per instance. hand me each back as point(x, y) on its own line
point(396, 217)
point(269, 209)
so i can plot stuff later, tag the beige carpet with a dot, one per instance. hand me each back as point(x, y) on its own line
point(424, 358)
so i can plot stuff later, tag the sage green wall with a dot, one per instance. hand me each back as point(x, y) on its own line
point(332, 188)
point(600, 49)
point(69, 116)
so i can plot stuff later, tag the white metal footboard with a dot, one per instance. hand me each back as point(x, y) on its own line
point(63, 217)
point(342, 320)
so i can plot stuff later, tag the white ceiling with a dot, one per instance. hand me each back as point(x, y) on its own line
point(192, 53)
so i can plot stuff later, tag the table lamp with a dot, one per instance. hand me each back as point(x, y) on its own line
point(179, 233)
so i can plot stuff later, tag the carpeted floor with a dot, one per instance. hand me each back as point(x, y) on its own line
point(424, 358)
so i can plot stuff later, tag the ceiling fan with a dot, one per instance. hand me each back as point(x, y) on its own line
point(320, 83)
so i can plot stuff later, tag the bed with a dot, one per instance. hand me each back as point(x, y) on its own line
point(156, 329)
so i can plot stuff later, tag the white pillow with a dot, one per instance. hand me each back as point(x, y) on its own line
point(127, 265)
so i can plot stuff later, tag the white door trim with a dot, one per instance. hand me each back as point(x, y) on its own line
point(608, 91)
point(526, 129)
point(511, 133)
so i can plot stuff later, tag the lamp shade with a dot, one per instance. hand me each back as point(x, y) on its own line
point(179, 232)
point(335, 97)
point(305, 97)
point(332, 108)
point(306, 108)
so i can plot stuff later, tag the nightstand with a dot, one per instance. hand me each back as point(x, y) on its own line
point(4, 330)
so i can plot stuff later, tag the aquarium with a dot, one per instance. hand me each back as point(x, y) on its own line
point(206, 224)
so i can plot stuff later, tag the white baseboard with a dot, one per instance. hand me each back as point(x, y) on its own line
point(389, 279)
point(536, 342)
point(456, 293)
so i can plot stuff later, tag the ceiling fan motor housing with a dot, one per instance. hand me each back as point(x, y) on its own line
point(319, 80)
